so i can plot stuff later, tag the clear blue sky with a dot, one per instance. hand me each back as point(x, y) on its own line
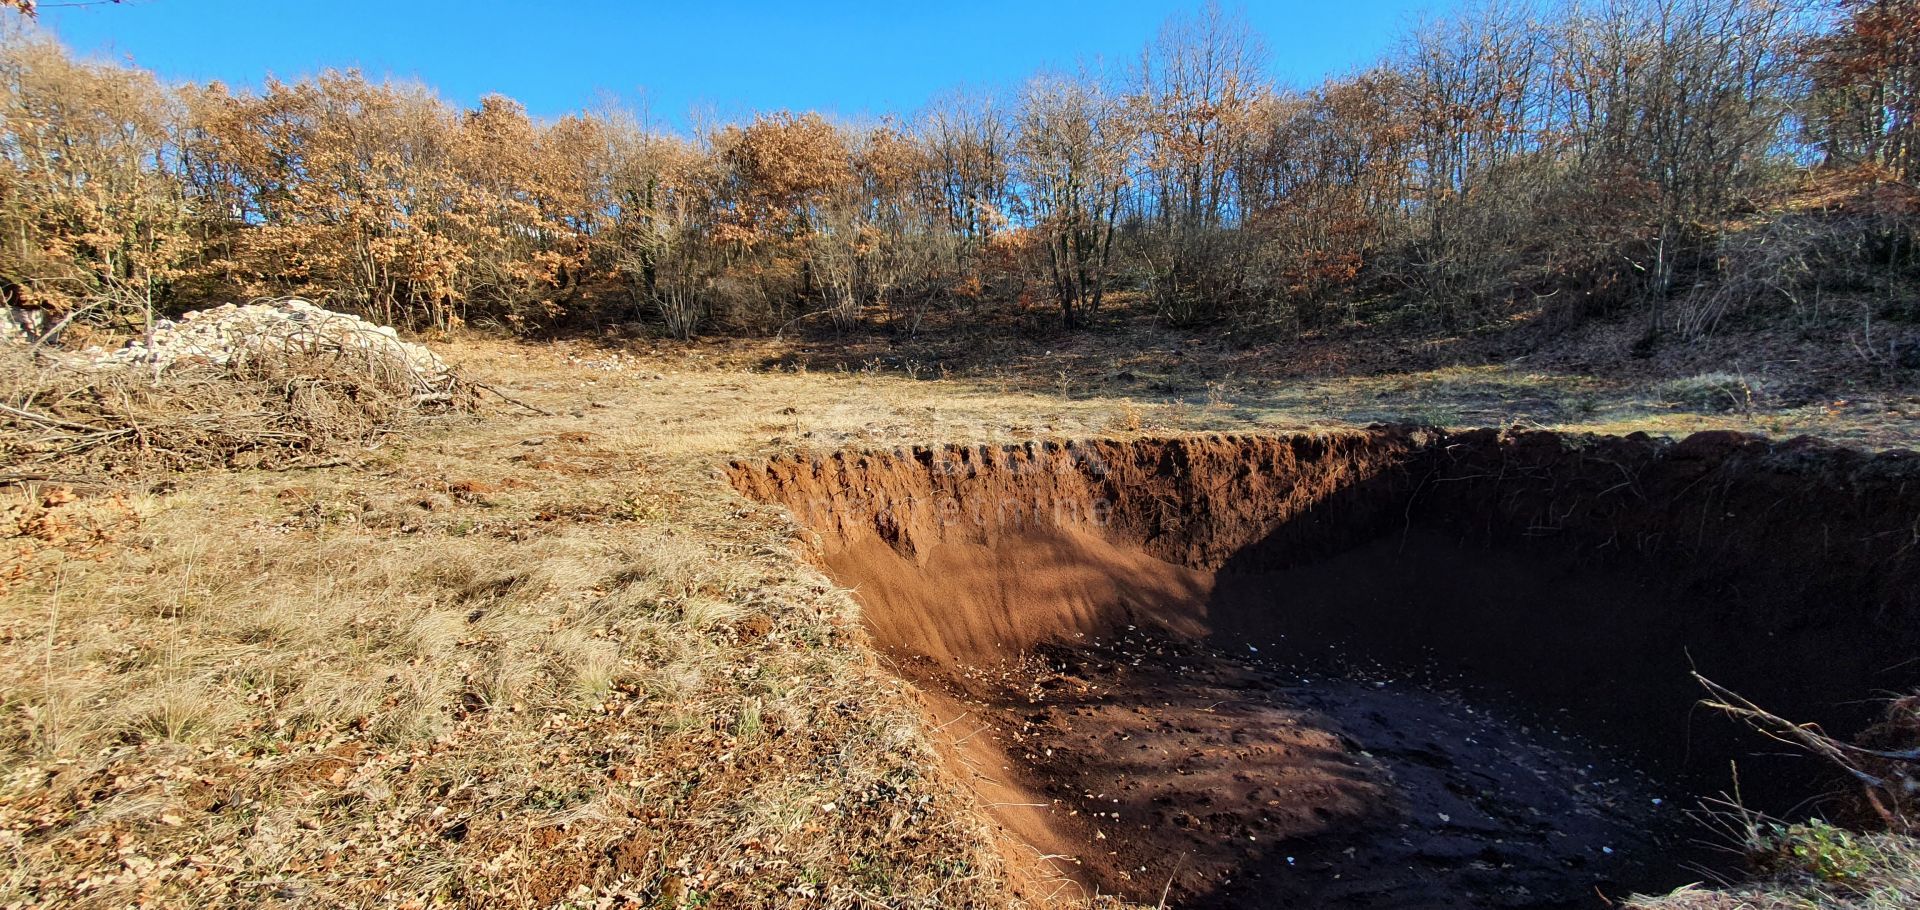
point(727, 58)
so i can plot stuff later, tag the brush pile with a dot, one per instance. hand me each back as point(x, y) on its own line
point(233, 335)
point(260, 385)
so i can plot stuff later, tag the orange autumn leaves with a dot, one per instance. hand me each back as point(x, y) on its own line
point(1501, 156)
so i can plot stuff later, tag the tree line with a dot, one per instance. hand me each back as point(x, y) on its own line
point(1645, 156)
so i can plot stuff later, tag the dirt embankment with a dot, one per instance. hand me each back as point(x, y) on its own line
point(1369, 668)
point(977, 553)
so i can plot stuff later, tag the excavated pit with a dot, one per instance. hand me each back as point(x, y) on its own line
point(1385, 668)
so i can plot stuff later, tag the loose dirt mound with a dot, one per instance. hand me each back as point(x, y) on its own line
point(1365, 668)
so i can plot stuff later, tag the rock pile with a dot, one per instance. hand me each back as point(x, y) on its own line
point(231, 334)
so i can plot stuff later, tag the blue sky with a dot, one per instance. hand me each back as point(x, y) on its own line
point(853, 59)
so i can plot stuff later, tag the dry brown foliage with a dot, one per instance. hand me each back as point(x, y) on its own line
point(1603, 158)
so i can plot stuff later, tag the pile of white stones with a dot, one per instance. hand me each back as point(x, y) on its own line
point(230, 334)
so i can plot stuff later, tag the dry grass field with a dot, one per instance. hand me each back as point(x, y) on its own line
point(552, 659)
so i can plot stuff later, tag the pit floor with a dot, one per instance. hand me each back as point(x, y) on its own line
point(1210, 779)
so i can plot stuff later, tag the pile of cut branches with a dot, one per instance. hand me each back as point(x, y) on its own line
point(1883, 763)
point(278, 409)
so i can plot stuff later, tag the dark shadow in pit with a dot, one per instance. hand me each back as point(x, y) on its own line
point(1582, 588)
point(1605, 652)
point(1212, 779)
point(1589, 582)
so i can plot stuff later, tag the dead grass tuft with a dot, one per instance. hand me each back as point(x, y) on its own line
point(1718, 391)
point(1810, 866)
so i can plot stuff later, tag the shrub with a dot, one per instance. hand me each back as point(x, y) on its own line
point(1716, 391)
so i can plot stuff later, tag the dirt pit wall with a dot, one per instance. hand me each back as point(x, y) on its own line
point(972, 554)
point(1568, 584)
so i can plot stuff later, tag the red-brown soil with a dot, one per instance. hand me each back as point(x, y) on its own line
point(1391, 668)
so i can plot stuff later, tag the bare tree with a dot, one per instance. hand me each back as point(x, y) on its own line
point(1200, 92)
point(1865, 100)
point(1076, 144)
